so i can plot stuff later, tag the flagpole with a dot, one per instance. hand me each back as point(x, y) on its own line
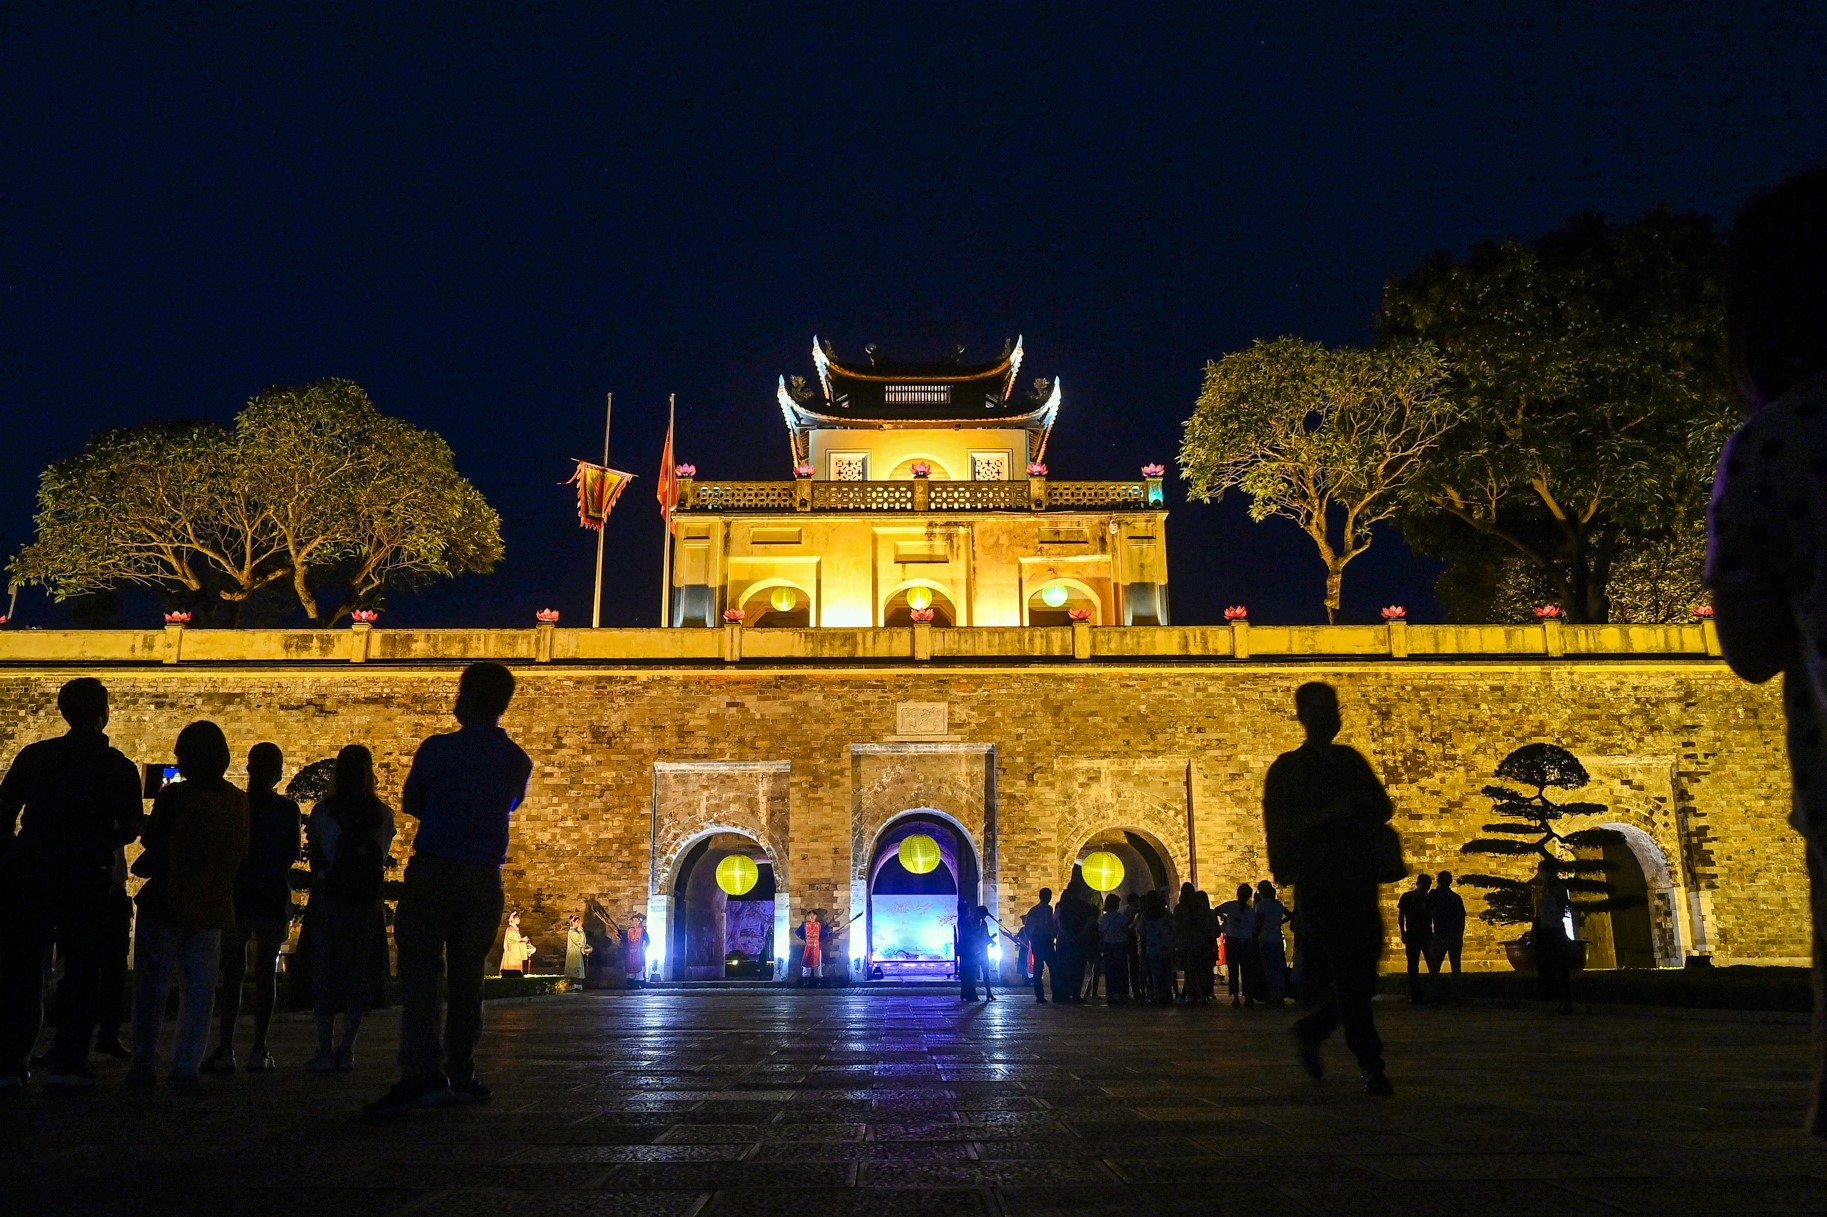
point(666, 540)
point(596, 601)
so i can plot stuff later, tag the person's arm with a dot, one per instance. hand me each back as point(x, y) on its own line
point(1402, 915)
point(126, 809)
point(12, 798)
point(1747, 555)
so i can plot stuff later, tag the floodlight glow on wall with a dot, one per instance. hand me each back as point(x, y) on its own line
point(737, 874)
point(1103, 870)
point(919, 854)
point(1053, 595)
point(919, 598)
point(784, 600)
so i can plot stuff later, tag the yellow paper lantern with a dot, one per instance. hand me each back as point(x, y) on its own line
point(919, 598)
point(736, 875)
point(784, 600)
point(1053, 595)
point(1103, 870)
point(919, 853)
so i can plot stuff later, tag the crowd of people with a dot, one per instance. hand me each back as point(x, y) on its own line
point(215, 902)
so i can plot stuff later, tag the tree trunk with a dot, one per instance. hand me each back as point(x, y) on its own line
point(1335, 579)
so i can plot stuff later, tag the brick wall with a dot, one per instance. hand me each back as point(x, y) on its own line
point(1048, 754)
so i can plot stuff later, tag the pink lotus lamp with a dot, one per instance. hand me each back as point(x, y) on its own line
point(363, 616)
point(1236, 612)
point(685, 471)
point(1394, 612)
point(1548, 612)
point(923, 616)
point(547, 616)
point(1703, 612)
point(802, 470)
point(1079, 614)
point(1154, 471)
point(733, 616)
point(921, 469)
point(181, 617)
point(1036, 469)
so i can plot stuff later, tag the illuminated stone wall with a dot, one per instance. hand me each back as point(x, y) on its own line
point(1035, 757)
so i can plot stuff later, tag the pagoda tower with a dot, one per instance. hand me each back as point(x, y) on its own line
point(920, 492)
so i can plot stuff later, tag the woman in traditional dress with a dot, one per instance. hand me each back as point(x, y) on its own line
point(516, 951)
point(577, 948)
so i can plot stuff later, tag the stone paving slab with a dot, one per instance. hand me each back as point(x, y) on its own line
point(702, 1103)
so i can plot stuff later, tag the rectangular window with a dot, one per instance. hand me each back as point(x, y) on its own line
point(917, 395)
point(849, 466)
point(990, 466)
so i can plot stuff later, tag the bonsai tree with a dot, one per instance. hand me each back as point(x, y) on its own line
point(1527, 827)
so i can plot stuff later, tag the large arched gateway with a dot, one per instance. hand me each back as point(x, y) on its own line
point(722, 910)
point(922, 870)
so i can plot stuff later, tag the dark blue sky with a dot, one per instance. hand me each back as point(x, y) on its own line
point(489, 215)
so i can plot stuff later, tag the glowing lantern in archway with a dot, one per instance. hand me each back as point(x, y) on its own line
point(784, 600)
point(736, 875)
point(1103, 870)
point(1053, 595)
point(919, 854)
point(919, 598)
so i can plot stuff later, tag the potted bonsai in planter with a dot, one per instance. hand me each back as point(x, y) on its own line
point(1527, 827)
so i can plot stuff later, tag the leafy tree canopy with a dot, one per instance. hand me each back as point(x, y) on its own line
point(1327, 438)
point(312, 490)
point(1590, 365)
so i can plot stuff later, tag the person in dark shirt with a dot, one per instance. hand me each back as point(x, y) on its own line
point(1415, 925)
point(462, 789)
point(1077, 922)
point(1321, 808)
point(1446, 914)
point(1041, 928)
point(67, 807)
point(263, 910)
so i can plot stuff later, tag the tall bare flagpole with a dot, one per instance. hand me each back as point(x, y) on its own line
point(666, 539)
point(596, 601)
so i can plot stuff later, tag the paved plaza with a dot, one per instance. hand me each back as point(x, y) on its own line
point(762, 1102)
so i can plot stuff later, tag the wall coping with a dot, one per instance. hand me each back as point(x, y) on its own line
point(1079, 643)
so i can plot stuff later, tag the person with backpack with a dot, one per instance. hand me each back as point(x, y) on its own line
point(348, 836)
point(263, 909)
point(463, 789)
point(193, 846)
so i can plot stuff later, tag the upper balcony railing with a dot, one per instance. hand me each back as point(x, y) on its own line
point(918, 494)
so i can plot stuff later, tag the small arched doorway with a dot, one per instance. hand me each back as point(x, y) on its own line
point(899, 608)
point(715, 934)
point(913, 918)
point(1054, 602)
point(777, 605)
point(1643, 933)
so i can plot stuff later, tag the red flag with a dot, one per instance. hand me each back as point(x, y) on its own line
point(598, 487)
point(668, 489)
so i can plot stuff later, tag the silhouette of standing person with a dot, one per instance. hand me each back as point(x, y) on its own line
point(263, 910)
point(195, 840)
point(463, 789)
point(1322, 808)
point(1041, 927)
point(1767, 528)
point(1549, 938)
point(1271, 915)
point(1447, 914)
point(1414, 921)
point(349, 833)
point(75, 801)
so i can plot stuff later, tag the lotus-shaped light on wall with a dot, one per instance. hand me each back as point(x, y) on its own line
point(1079, 614)
point(685, 471)
point(547, 616)
point(1236, 612)
point(921, 616)
point(733, 616)
point(363, 616)
point(1154, 471)
point(802, 470)
point(1548, 612)
point(1702, 611)
point(1037, 470)
point(1394, 612)
point(177, 618)
point(921, 469)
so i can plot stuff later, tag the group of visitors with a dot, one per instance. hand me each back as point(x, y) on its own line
point(1430, 918)
point(1143, 951)
point(216, 901)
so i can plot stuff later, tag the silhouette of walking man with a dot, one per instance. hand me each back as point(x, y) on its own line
point(1325, 814)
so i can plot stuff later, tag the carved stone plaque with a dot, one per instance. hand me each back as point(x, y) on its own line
point(921, 718)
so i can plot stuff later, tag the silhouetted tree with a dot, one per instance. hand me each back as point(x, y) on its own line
point(1528, 829)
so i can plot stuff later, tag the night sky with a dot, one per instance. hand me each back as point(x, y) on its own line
point(490, 215)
